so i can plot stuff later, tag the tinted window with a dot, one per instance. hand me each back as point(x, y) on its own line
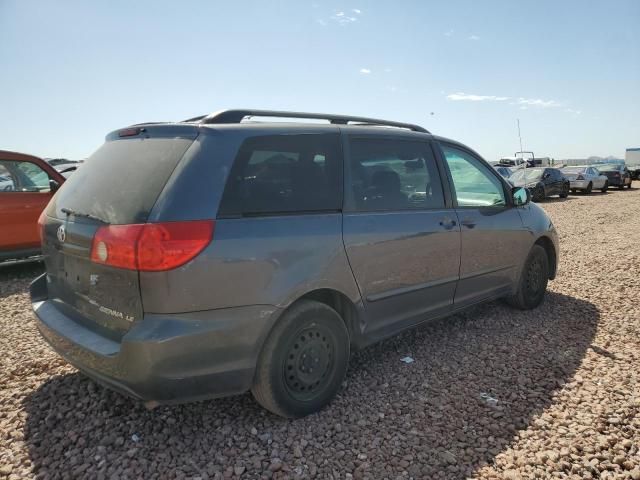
point(391, 174)
point(284, 174)
point(474, 183)
point(121, 181)
point(22, 177)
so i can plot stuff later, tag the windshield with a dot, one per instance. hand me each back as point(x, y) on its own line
point(527, 173)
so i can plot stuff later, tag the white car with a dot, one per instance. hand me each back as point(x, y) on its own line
point(586, 179)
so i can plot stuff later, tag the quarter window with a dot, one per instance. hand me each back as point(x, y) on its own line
point(391, 174)
point(474, 184)
point(285, 174)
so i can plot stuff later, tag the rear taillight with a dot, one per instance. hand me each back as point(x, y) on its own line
point(41, 220)
point(151, 247)
point(580, 177)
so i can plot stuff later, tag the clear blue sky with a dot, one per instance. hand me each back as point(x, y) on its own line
point(569, 70)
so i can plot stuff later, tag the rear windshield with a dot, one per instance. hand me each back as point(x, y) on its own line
point(609, 168)
point(121, 181)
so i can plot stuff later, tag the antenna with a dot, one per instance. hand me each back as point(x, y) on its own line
point(524, 163)
point(519, 135)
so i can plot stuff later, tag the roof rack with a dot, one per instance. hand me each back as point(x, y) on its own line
point(236, 116)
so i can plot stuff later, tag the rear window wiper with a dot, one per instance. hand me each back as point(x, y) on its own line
point(68, 211)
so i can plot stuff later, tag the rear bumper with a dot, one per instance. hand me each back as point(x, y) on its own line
point(163, 358)
point(617, 182)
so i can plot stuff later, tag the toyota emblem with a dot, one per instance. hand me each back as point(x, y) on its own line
point(61, 234)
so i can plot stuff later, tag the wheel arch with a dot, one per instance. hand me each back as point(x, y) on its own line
point(546, 243)
point(341, 303)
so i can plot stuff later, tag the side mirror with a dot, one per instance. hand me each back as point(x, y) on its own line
point(53, 185)
point(521, 196)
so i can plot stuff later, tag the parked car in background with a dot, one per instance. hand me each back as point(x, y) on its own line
point(634, 171)
point(506, 172)
point(27, 183)
point(585, 179)
point(66, 169)
point(541, 182)
point(617, 174)
point(54, 162)
point(262, 270)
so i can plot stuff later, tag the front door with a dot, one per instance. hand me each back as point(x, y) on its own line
point(492, 233)
point(24, 192)
point(402, 242)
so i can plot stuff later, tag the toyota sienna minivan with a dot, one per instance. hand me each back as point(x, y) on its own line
point(221, 254)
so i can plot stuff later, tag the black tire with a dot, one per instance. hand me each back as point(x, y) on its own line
point(565, 191)
point(533, 280)
point(303, 361)
point(538, 194)
point(589, 188)
point(605, 187)
point(573, 190)
point(629, 186)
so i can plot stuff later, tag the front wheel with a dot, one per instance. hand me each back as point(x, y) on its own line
point(589, 188)
point(565, 191)
point(303, 361)
point(533, 280)
point(538, 194)
point(605, 187)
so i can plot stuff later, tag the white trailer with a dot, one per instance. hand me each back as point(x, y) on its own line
point(632, 156)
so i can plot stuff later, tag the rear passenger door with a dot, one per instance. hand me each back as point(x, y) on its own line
point(402, 242)
point(492, 234)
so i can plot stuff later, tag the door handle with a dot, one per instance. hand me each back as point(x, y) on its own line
point(447, 223)
point(469, 223)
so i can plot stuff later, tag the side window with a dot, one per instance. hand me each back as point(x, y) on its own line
point(474, 184)
point(388, 174)
point(22, 177)
point(285, 174)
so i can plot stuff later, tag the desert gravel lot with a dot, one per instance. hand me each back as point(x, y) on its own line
point(493, 393)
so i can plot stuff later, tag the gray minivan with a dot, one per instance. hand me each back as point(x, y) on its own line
point(214, 256)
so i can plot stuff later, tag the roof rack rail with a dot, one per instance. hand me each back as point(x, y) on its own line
point(236, 116)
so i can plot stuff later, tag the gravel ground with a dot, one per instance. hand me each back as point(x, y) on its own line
point(493, 393)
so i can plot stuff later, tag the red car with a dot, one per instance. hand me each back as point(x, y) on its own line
point(27, 184)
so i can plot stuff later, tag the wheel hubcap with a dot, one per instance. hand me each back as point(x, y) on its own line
point(309, 361)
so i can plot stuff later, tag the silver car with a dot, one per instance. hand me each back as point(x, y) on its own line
point(586, 179)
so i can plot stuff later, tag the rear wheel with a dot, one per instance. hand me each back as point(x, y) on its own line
point(538, 194)
point(303, 361)
point(605, 187)
point(589, 188)
point(533, 280)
